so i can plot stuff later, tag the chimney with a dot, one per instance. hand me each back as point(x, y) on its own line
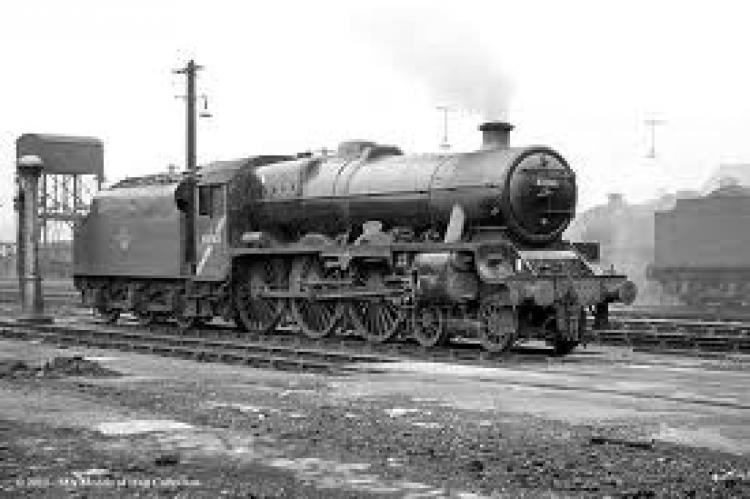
point(615, 200)
point(495, 135)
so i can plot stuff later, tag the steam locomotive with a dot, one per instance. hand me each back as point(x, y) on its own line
point(367, 240)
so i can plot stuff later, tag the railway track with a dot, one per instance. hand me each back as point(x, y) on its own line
point(289, 351)
point(55, 291)
point(645, 329)
point(286, 349)
point(676, 340)
point(685, 326)
point(679, 312)
point(674, 329)
point(209, 348)
point(682, 399)
point(675, 333)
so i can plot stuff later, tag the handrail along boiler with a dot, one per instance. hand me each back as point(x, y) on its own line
point(368, 240)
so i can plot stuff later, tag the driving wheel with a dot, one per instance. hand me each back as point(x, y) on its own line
point(498, 326)
point(316, 318)
point(255, 312)
point(377, 319)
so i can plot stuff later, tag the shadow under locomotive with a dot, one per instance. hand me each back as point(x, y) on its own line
point(370, 239)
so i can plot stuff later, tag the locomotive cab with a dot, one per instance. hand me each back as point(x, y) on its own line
point(210, 231)
point(222, 192)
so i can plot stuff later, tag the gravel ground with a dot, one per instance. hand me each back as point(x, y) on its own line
point(286, 435)
point(52, 368)
point(43, 461)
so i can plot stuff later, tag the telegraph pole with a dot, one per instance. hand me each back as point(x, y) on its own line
point(652, 124)
point(190, 71)
point(445, 145)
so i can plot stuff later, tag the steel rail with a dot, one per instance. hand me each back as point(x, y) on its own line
point(216, 345)
point(194, 347)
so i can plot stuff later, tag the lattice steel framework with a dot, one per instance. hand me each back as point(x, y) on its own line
point(64, 200)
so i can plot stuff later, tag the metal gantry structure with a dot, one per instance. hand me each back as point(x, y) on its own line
point(64, 200)
point(71, 173)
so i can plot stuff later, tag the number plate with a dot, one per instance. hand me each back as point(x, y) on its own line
point(547, 182)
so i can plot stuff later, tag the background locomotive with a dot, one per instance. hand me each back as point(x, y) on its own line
point(701, 255)
point(625, 233)
point(368, 239)
point(687, 248)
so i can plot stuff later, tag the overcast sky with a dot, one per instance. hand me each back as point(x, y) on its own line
point(282, 76)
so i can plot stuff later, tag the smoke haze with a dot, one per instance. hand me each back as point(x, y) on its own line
point(446, 53)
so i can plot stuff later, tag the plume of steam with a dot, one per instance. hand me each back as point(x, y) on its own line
point(448, 54)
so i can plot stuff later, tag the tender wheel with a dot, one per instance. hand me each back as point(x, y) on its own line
point(108, 316)
point(430, 327)
point(146, 318)
point(498, 326)
point(564, 347)
point(161, 318)
point(316, 318)
point(254, 312)
point(186, 323)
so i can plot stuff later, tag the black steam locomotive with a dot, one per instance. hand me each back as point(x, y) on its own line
point(368, 239)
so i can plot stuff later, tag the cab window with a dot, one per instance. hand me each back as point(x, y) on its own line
point(217, 200)
point(204, 200)
point(210, 200)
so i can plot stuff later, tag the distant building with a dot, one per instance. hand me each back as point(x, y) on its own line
point(625, 233)
point(54, 259)
point(728, 176)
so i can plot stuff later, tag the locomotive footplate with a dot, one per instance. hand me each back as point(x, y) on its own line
point(331, 295)
point(584, 292)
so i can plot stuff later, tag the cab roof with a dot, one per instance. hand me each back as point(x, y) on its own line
point(221, 172)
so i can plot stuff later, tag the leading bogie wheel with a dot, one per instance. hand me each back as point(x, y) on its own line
point(498, 326)
point(562, 342)
point(430, 327)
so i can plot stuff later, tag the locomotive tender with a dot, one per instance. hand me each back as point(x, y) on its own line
point(700, 249)
point(367, 239)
